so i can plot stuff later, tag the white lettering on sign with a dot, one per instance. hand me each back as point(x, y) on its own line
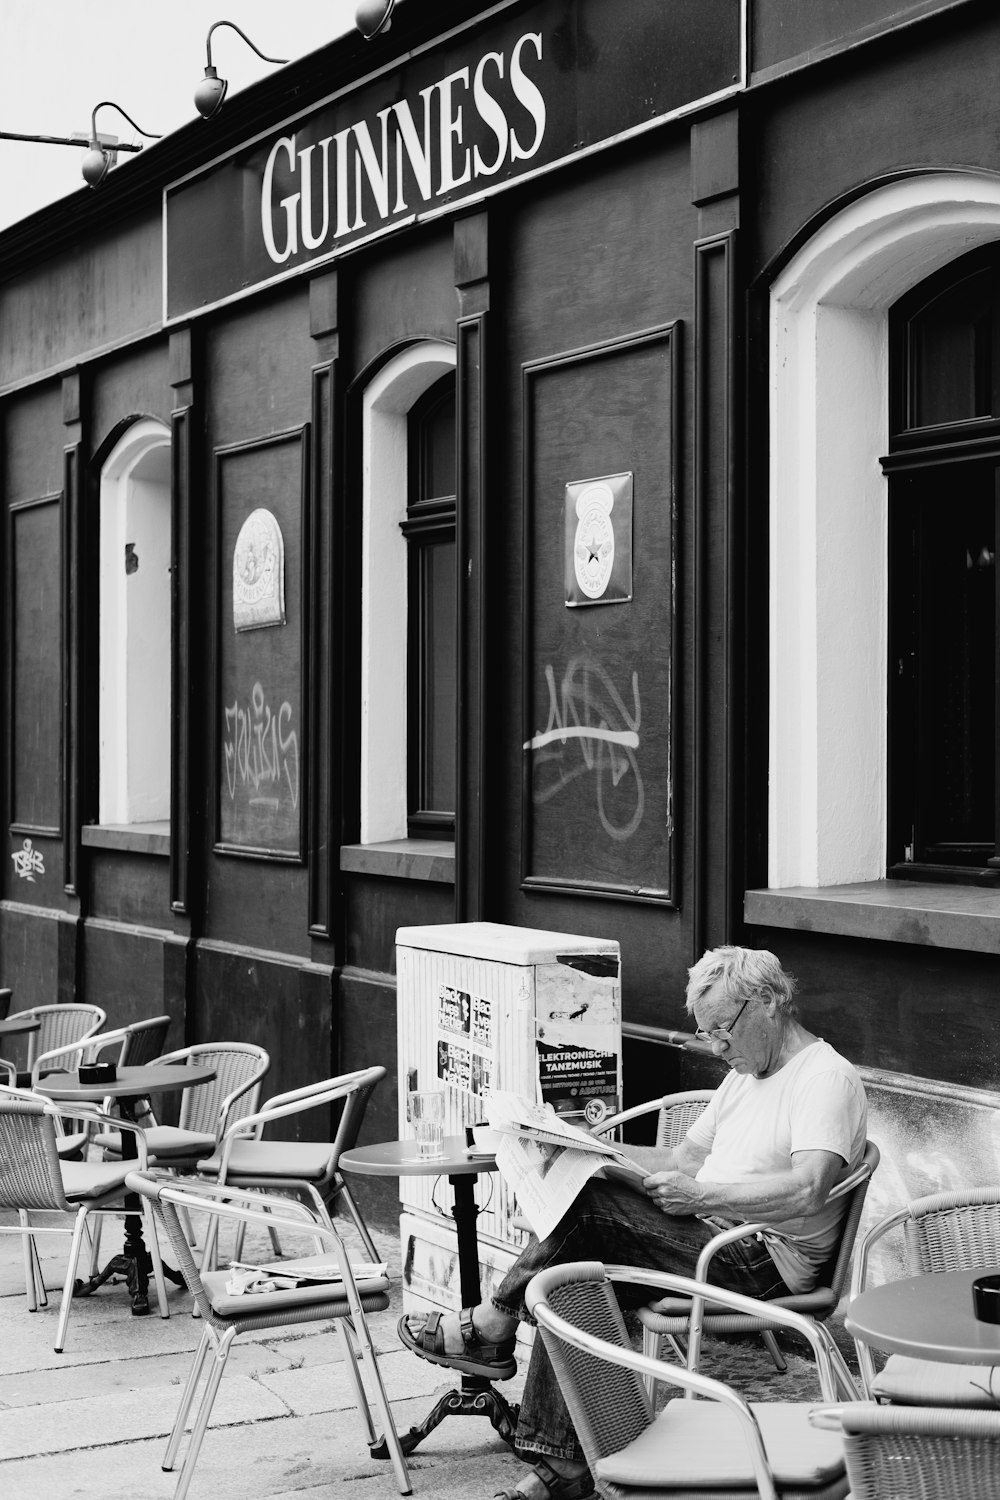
point(365, 171)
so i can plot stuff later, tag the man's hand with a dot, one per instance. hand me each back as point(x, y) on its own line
point(674, 1192)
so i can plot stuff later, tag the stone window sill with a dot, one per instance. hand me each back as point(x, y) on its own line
point(402, 859)
point(892, 911)
point(135, 838)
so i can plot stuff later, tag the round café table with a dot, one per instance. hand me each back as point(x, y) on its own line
point(926, 1317)
point(18, 1025)
point(476, 1397)
point(131, 1086)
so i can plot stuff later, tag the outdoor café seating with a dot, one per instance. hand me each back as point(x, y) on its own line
point(942, 1232)
point(719, 1445)
point(917, 1453)
point(227, 1313)
point(671, 1317)
point(306, 1169)
point(55, 1043)
point(205, 1113)
point(35, 1181)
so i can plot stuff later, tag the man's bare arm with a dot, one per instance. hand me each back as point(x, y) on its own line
point(797, 1193)
point(685, 1158)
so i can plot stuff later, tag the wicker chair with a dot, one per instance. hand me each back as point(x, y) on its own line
point(137, 1043)
point(34, 1180)
point(205, 1112)
point(62, 1026)
point(918, 1453)
point(676, 1113)
point(942, 1232)
point(307, 1169)
point(676, 1316)
point(225, 1317)
point(719, 1447)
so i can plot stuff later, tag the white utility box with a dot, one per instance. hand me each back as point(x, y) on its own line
point(483, 1006)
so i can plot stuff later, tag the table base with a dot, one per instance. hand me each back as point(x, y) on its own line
point(134, 1266)
point(477, 1398)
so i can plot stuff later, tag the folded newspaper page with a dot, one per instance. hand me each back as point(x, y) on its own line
point(545, 1161)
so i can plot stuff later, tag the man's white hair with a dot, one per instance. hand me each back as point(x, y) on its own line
point(743, 973)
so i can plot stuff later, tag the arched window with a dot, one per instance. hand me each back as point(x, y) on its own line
point(134, 677)
point(407, 597)
point(830, 789)
point(944, 480)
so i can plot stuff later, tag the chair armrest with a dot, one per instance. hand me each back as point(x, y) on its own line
point(11, 1071)
point(63, 1109)
point(868, 1239)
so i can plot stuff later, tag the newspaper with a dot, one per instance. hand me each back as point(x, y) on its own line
point(545, 1161)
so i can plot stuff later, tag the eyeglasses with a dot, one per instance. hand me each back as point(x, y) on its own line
point(723, 1034)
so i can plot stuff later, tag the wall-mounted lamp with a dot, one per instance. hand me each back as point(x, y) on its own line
point(211, 91)
point(97, 159)
point(372, 17)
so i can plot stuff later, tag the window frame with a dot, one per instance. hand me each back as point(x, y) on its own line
point(917, 454)
point(430, 522)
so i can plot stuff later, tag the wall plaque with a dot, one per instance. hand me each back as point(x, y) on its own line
point(599, 541)
point(259, 573)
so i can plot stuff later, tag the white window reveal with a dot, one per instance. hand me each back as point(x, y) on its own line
point(387, 403)
point(134, 681)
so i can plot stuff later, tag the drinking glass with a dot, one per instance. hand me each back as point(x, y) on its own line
point(427, 1115)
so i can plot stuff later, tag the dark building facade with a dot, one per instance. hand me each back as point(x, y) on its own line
point(540, 467)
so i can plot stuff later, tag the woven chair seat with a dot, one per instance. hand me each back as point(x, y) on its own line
point(927, 1382)
point(699, 1443)
point(308, 1161)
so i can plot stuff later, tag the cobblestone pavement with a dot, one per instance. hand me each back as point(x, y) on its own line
point(93, 1421)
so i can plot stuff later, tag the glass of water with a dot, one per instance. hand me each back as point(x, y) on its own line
point(427, 1115)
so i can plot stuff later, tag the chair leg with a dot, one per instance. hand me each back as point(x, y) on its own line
point(771, 1344)
point(359, 1223)
point(190, 1386)
point(153, 1245)
point(30, 1256)
point(204, 1412)
point(368, 1354)
point(40, 1292)
point(651, 1349)
point(67, 1296)
point(354, 1375)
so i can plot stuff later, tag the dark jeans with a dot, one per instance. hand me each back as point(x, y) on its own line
point(613, 1223)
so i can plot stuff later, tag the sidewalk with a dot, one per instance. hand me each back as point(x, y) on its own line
point(93, 1421)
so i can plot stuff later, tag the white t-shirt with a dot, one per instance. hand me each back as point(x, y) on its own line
point(752, 1127)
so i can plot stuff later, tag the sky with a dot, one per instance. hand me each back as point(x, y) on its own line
point(59, 58)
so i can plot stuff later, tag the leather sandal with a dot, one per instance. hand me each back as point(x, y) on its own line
point(478, 1357)
point(556, 1486)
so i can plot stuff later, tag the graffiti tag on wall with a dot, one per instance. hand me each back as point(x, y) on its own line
point(591, 730)
point(260, 748)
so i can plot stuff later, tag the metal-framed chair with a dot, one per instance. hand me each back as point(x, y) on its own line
point(306, 1169)
point(34, 1180)
point(676, 1317)
point(676, 1113)
point(225, 1316)
point(719, 1446)
point(61, 1029)
point(205, 1112)
point(137, 1043)
point(941, 1232)
point(917, 1453)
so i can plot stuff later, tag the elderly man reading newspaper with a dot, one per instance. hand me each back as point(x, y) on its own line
point(787, 1123)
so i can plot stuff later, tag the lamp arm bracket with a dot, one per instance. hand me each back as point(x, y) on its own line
point(233, 26)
